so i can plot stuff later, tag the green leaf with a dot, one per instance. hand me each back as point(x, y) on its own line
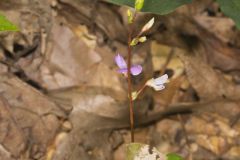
point(155, 6)
point(173, 156)
point(139, 4)
point(6, 25)
point(231, 8)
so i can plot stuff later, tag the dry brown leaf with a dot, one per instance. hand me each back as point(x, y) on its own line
point(208, 83)
point(29, 120)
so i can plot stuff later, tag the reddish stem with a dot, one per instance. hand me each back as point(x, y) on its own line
point(130, 93)
point(141, 89)
point(131, 112)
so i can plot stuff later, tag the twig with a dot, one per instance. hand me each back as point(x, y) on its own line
point(172, 110)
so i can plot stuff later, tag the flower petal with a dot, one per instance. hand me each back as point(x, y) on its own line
point(159, 88)
point(148, 25)
point(120, 61)
point(161, 80)
point(150, 82)
point(136, 70)
point(123, 70)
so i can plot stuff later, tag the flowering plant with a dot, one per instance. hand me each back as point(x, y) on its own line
point(127, 69)
point(137, 151)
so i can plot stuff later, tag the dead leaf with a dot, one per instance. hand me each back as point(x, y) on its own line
point(26, 114)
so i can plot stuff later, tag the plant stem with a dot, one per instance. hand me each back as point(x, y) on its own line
point(141, 89)
point(131, 112)
point(130, 88)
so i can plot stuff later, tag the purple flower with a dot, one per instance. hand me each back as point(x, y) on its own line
point(135, 69)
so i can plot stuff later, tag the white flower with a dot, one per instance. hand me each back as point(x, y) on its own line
point(158, 83)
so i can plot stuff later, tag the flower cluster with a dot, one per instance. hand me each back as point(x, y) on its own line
point(157, 83)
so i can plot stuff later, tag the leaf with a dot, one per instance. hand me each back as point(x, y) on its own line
point(139, 4)
point(33, 110)
point(6, 25)
point(232, 9)
point(155, 6)
point(173, 156)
